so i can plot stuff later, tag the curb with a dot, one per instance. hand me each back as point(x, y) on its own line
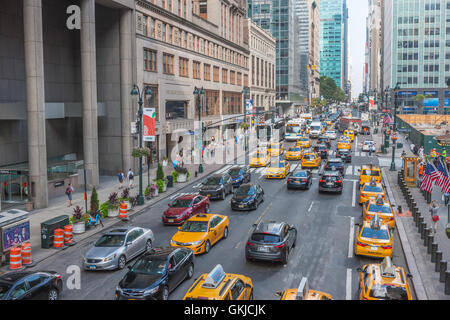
point(410, 261)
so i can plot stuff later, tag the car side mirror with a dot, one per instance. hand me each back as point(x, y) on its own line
point(409, 275)
point(129, 243)
point(357, 224)
point(248, 285)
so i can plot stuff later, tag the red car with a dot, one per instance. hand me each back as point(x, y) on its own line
point(184, 207)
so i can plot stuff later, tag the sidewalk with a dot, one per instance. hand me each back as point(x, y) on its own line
point(59, 206)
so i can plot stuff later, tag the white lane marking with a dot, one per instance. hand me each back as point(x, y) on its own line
point(351, 238)
point(259, 170)
point(252, 170)
point(354, 194)
point(228, 166)
point(310, 207)
point(174, 196)
point(357, 154)
point(355, 171)
point(348, 286)
point(348, 171)
point(197, 185)
point(356, 141)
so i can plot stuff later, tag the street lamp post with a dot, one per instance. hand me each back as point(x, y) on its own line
point(246, 93)
point(140, 94)
point(397, 87)
point(199, 93)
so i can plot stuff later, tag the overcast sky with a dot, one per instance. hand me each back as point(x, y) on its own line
point(357, 12)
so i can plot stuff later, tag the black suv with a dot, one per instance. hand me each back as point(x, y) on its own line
point(217, 186)
point(271, 240)
point(247, 197)
point(240, 175)
point(345, 155)
point(29, 285)
point(335, 164)
point(321, 150)
point(155, 274)
point(331, 181)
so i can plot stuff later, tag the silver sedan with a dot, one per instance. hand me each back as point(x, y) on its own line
point(115, 248)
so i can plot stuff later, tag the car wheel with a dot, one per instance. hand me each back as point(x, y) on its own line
point(122, 262)
point(286, 257)
point(207, 209)
point(225, 233)
point(53, 294)
point(207, 246)
point(251, 295)
point(190, 271)
point(165, 293)
point(295, 240)
point(223, 195)
point(148, 245)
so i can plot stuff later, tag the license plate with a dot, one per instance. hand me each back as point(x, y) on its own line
point(92, 267)
point(170, 220)
point(263, 249)
point(329, 183)
point(208, 195)
point(374, 248)
point(241, 206)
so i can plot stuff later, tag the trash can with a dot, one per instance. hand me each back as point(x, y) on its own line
point(169, 181)
point(48, 227)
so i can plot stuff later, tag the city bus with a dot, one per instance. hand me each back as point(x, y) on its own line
point(270, 129)
point(293, 130)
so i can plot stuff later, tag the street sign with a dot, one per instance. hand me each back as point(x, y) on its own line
point(248, 105)
point(133, 127)
point(148, 118)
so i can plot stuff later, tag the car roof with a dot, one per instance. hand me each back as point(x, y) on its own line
point(124, 230)
point(202, 217)
point(14, 276)
point(334, 160)
point(370, 166)
point(216, 175)
point(272, 227)
point(162, 252)
point(187, 197)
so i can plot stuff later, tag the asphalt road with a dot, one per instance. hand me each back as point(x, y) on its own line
point(323, 254)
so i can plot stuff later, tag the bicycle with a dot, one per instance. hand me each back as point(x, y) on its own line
point(96, 221)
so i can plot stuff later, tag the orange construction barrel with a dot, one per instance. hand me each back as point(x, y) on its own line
point(15, 258)
point(26, 253)
point(58, 238)
point(68, 234)
point(123, 211)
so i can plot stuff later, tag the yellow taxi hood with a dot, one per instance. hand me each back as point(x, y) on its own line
point(184, 237)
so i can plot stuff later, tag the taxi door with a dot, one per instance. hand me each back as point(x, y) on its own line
point(214, 233)
point(239, 291)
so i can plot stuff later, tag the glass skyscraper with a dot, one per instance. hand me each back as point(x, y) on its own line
point(333, 40)
point(417, 53)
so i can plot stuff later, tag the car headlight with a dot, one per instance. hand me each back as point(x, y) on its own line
point(118, 289)
point(173, 242)
point(111, 257)
point(196, 243)
point(151, 291)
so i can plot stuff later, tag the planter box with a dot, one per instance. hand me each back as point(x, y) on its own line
point(113, 212)
point(164, 188)
point(78, 227)
point(165, 162)
point(155, 193)
point(182, 177)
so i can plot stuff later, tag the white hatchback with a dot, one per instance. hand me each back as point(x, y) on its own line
point(331, 134)
point(368, 145)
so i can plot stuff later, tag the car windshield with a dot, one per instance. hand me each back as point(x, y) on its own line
point(4, 289)
point(213, 181)
point(181, 203)
point(277, 165)
point(304, 139)
point(331, 132)
point(235, 171)
point(111, 240)
point(316, 128)
point(309, 157)
point(334, 164)
point(265, 238)
point(294, 149)
point(377, 208)
point(259, 155)
point(293, 129)
point(274, 146)
point(379, 234)
point(372, 189)
point(368, 142)
point(388, 292)
point(149, 266)
point(245, 191)
point(300, 174)
point(321, 147)
point(195, 226)
point(371, 173)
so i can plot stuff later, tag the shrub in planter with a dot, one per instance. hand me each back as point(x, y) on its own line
point(181, 170)
point(94, 201)
point(125, 193)
point(154, 190)
point(188, 174)
point(160, 172)
point(175, 176)
point(133, 201)
point(78, 221)
point(160, 184)
point(113, 200)
point(77, 214)
point(104, 209)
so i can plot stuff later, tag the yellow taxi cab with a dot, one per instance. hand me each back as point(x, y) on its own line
point(374, 239)
point(278, 170)
point(383, 281)
point(275, 149)
point(350, 134)
point(310, 160)
point(369, 172)
point(303, 142)
point(344, 145)
point(294, 153)
point(218, 285)
point(259, 158)
point(303, 293)
point(329, 123)
point(201, 231)
point(380, 207)
point(371, 191)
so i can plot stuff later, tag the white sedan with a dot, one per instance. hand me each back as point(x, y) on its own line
point(368, 145)
point(331, 134)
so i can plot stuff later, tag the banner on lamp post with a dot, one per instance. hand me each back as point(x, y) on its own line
point(148, 120)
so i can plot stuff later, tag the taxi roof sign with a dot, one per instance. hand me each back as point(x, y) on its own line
point(379, 201)
point(376, 222)
point(373, 183)
point(214, 278)
point(303, 289)
point(387, 269)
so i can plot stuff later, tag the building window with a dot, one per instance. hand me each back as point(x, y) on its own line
point(168, 63)
point(224, 75)
point(232, 77)
point(169, 35)
point(206, 72)
point(216, 71)
point(210, 103)
point(152, 28)
point(184, 67)
point(169, 2)
point(163, 36)
point(184, 8)
point(179, 8)
point(150, 59)
point(239, 79)
point(231, 103)
point(196, 66)
point(245, 80)
point(163, 3)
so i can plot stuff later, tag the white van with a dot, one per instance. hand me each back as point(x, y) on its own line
point(315, 129)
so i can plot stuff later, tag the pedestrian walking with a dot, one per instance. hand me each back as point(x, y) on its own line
point(130, 177)
point(421, 153)
point(446, 197)
point(120, 176)
point(416, 150)
point(412, 147)
point(69, 192)
point(434, 209)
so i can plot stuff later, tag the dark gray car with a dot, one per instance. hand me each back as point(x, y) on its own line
point(271, 240)
point(217, 186)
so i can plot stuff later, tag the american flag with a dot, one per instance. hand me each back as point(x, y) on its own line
point(444, 180)
point(429, 176)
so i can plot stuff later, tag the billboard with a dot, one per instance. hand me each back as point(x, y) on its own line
point(431, 102)
point(148, 129)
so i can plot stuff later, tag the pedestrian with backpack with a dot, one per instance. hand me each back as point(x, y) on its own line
point(120, 176)
point(130, 177)
point(69, 191)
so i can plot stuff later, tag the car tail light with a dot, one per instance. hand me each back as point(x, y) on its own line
point(304, 180)
point(362, 244)
point(58, 276)
point(321, 180)
point(289, 180)
point(339, 181)
point(249, 244)
point(280, 246)
point(386, 247)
